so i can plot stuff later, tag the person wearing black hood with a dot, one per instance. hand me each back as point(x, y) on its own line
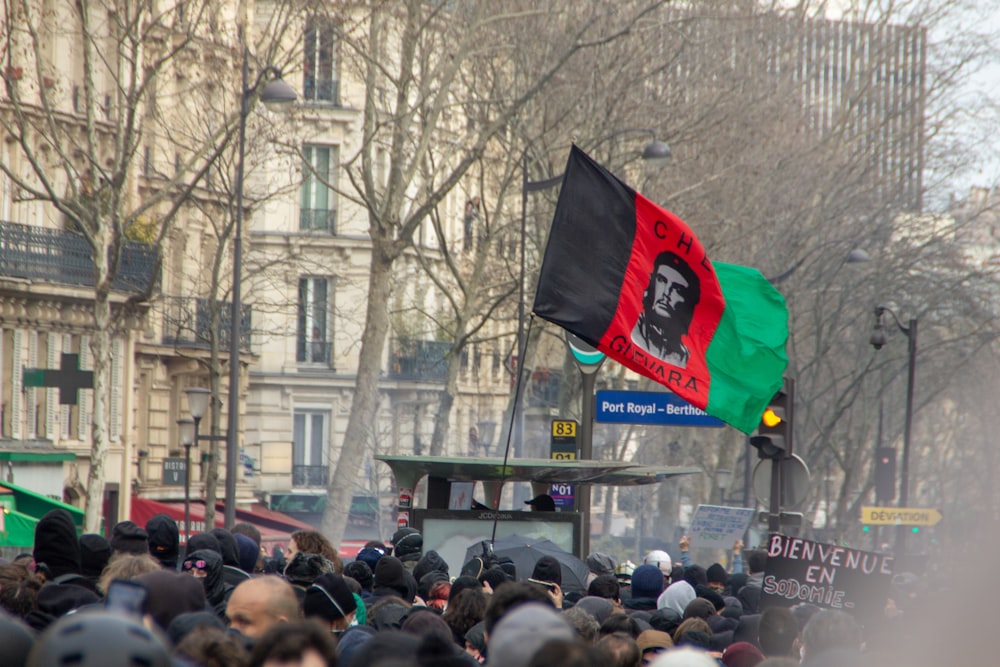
point(390, 580)
point(57, 550)
point(230, 550)
point(430, 562)
point(164, 540)
point(206, 565)
point(95, 553)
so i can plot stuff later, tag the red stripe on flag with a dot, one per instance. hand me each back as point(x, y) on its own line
point(669, 307)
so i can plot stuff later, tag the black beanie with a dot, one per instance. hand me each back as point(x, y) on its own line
point(716, 574)
point(547, 569)
point(407, 542)
point(127, 537)
point(95, 552)
point(56, 544)
point(328, 598)
point(164, 540)
point(695, 575)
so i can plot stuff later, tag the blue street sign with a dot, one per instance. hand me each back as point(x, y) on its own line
point(649, 407)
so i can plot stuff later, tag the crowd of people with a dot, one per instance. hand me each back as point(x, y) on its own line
point(137, 599)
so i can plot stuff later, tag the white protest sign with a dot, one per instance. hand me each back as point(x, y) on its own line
point(718, 527)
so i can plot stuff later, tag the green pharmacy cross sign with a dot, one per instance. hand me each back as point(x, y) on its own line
point(68, 378)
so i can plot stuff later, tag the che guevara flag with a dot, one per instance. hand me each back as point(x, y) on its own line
point(631, 279)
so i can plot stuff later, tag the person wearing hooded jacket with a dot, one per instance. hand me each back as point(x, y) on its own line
point(429, 562)
point(206, 565)
point(230, 551)
point(57, 550)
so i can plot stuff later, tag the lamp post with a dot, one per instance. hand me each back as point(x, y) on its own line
point(198, 398)
point(588, 360)
point(186, 428)
point(275, 92)
point(878, 341)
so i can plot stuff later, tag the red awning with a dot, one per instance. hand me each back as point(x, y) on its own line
point(275, 528)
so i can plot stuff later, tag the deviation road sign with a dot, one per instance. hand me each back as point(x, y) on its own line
point(650, 407)
point(899, 516)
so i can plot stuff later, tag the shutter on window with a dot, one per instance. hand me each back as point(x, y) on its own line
point(17, 383)
point(54, 350)
point(85, 405)
point(31, 409)
point(117, 391)
point(66, 411)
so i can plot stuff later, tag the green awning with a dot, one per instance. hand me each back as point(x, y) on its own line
point(18, 530)
point(43, 457)
point(35, 505)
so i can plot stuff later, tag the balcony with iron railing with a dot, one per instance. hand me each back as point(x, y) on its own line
point(310, 475)
point(318, 220)
point(187, 322)
point(60, 256)
point(419, 360)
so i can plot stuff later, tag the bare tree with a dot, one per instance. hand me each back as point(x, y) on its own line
point(409, 87)
point(116, 114)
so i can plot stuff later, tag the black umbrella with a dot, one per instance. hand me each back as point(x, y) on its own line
point(524, 552)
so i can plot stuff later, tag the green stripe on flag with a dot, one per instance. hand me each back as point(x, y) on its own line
point(746, 358)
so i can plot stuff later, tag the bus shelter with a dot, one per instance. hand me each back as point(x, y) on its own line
point(449, 527)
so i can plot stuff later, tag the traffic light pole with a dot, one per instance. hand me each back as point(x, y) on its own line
point(904, 477)
point(777, 486)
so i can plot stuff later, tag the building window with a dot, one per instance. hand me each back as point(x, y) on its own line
point(320, 67)
point(316, 206)
point(313, 340)
point(309, 454)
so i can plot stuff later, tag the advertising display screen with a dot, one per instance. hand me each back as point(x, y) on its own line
point(452, 532)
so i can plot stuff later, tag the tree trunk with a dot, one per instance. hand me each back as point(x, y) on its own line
point(365, 401)
point(446, 398)
point(100, 347)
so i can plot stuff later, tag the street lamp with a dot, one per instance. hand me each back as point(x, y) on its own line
point(854, 256)
point(186, 427)
point(878, 341)
point(198, 399)
point(275, 93)
point(588, 360)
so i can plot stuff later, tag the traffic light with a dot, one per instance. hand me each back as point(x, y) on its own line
point(885, 474)
point(774, 433)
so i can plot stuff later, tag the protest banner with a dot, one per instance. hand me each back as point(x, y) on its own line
point(716, 527)
point(826, 575)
